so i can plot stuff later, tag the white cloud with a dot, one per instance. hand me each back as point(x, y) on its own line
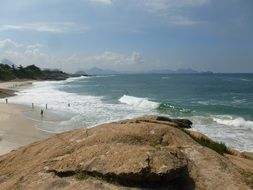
point(181, 20)
point(134, 58)
point(166, 4)
point(116, 59)
point(8, 44)
point(107, 59)
point(58, 27)
point(34, 46)
point(104, 2)
point(22, 54)
point(172, 10)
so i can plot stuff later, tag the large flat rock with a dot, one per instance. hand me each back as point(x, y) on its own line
point(150, 152)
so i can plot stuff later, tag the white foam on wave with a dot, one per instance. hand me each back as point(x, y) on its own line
point(234, 132)
point(246, 80)
point(235, 122)
point(138, 102)
point(71, 79)
point(165, 78)
point(230, 79)
point(85, 110)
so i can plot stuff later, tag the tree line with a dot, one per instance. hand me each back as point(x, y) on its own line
point(30, 72)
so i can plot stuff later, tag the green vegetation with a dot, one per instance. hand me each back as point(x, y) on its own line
point(30, 72)
point(155, 144)
point(110, 178)
point(81, 175)
point(218, 147)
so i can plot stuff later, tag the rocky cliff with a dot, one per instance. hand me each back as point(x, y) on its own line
point(144, 153)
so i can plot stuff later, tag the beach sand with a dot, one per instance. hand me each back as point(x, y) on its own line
point(15, 128)
point(13, 85)
point(9, 88)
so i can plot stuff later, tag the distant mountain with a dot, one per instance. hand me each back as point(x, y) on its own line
point(7, 62)
point(81, 73)
point(98, 71)
point(160, 71)
point(178, 71)
point(188, 71)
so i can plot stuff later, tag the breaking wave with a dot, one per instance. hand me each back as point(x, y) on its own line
point(138, 102)
point(235, 122)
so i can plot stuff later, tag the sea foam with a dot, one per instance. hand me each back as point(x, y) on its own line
point(85, 110)
point(235, 122)
point(138, 102)
point(234, 132)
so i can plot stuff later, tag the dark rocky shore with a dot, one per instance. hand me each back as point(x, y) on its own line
point(144, 153)
point(6, 93)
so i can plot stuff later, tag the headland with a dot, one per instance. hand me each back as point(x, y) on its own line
point(144, 153)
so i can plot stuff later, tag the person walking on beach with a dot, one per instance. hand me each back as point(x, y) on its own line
point(6, 100)
point(41, 113)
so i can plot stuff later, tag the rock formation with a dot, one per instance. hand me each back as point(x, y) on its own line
point(144, 153)
point(6, 93)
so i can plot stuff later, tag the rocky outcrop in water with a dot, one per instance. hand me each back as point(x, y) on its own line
point(144, 153)
point(6, 93)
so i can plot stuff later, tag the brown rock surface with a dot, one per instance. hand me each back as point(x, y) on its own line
point(144, 153)
point(6, 93)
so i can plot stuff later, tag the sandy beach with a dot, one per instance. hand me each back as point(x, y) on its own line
point(8, 88)
point(15, 129)
point(13, 85)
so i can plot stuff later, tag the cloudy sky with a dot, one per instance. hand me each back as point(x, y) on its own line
point(129, 35)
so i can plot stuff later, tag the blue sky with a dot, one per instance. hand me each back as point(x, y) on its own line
point(129, 35)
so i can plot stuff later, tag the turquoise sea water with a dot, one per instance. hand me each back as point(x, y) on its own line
point(177, 95)
point(220, 105)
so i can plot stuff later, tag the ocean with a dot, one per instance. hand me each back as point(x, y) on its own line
point(219, 105)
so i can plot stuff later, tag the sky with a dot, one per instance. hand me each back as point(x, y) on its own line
point(128, 35)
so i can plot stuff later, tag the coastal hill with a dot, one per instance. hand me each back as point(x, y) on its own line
point(10, 71)
point(7, 62)
point(179, 71)
point(151, 152)
point(97, 71)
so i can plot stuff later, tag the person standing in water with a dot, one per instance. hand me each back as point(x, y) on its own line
point(41, 113)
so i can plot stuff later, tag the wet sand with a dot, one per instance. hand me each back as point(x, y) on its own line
point(9, 88)
point(15, 128)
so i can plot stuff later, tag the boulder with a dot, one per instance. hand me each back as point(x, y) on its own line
point(143, 153)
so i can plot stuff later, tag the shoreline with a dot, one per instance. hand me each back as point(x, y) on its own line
point(16, 112)
point(8, 89)
point(151, 152)
point(16, 129)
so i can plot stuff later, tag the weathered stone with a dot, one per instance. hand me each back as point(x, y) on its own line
point(148, 152)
